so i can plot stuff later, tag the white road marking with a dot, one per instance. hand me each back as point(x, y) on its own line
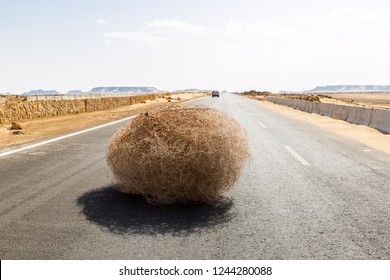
point(35, 154)
point(366, 150)
point(63, 137)
point(262, 125)
point(296, 155)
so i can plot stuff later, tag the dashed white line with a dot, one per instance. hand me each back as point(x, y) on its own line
point(296, 155)
point(262, 125)
point(63, 137)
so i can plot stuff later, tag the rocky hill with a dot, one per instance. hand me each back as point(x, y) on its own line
point(124, 90)
point(351, 88)
point(75, 92)
point(190, 90)
point(41, 92)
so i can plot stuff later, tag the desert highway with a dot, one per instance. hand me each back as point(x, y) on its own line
point(306, 194)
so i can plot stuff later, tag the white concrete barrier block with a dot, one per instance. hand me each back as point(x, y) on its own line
point(270, 99)
point(296, 103)
point(315, 107)
point(359, 115)
point(326, 109)
point(340, 112)
point(32, 97)
point(41, 97)
point(380, 119)
point(304, 106)
point(301, 105)
point(307, 106)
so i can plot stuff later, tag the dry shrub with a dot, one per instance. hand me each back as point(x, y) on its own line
point(178, 153)
point(15, 126)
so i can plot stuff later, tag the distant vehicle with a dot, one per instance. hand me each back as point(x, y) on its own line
point(215, 93)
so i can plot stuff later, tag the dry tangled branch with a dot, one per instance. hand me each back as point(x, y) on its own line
point(178, 153)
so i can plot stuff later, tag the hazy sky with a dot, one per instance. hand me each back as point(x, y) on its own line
point(206, 44)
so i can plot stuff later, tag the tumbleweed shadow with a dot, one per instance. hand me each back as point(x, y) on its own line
point(123, 213)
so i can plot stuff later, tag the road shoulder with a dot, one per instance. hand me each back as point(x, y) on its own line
point(362, 134)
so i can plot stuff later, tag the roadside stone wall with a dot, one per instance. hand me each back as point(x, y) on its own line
point(18, 108)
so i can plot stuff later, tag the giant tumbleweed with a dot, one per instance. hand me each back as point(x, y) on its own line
point(179, 153)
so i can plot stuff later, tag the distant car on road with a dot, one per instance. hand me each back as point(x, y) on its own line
point(215, 93)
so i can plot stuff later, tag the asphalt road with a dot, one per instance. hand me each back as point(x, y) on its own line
point(306, 194)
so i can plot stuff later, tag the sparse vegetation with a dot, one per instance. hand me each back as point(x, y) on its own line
point(306, 97)
point(262, 95)
point(15, 126)
point(256, 93)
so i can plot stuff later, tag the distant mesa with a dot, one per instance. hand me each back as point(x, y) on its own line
point(124, 90)
point(286, 92)
point(75, 92)
point(350, 88)
point(190, 90)
point(41, 92)
point(342, 88)
point(98, 90)
point(113, 90)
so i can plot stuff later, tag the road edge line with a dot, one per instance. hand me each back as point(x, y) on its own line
point(64, 137)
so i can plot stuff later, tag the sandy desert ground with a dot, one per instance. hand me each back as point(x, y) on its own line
point(375, 100)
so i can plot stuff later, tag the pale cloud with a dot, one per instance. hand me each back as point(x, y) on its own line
point(174, 24)
point(347, 28)
point(348, 15)
point(160, 35)
point(262, 28)
point(353, 14)
point(101, 21)
point(234, 27)
point(141, 37)
point(352, 23)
